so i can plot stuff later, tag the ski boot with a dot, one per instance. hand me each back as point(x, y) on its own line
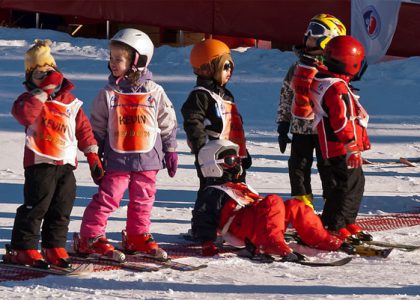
point(96, 246)
point(30, 257)
point(57, 257)
point(355, 230)
point(347, 248)
point(142, 244)
point(345, 235)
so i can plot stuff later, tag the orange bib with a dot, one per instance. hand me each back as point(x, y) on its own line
point(233, 129)
point(133, 123)
point(53, 134)
point(300, 83)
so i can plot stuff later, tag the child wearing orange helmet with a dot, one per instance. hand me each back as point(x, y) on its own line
point(210, 111)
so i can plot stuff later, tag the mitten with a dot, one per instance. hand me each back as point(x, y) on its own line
point(283, 130)
point(95, 165)
point(353, 155)
point(209, 249)
point(171, 161)
point(52, 82)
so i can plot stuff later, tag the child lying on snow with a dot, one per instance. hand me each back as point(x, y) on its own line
point(238, 213)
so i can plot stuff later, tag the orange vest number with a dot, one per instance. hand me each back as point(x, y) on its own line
point(133, 123)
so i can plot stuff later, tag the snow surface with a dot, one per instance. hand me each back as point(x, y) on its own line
point(389, 91)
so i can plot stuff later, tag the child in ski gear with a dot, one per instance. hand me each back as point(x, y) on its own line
point(295, 109)
point(238, 213)
point(135, 125)
point(341, 122)
point(55, 127)
point(210, 111)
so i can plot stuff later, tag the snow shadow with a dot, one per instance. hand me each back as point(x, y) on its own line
point(212, 290)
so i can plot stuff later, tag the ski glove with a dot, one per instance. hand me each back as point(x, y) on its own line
point(171, 161)
point(283, 130)
point(209, 249)
point(353, 155)
point(52, 82)
point(95, 165)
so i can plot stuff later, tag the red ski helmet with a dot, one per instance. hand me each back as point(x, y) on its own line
point(344, 55)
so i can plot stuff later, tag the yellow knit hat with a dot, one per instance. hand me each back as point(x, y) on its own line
point(39, 55)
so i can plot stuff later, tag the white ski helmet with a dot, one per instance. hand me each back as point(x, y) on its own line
point(140, 42)
point(209, 154)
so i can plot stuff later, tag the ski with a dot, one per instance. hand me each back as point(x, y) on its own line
point(366, 250)
point(409, 163)
point(302, 259)
point(83, 269)
point(403, 247)
point(334, 263)
point(168, 263)
point(402, 162)
point(108, 261)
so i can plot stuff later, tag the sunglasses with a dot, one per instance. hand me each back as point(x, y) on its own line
point(317, 30)
point(229, 161)
point(227, 66)
point(40, 75)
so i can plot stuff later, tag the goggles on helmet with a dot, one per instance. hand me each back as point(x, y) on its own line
point(229, 161)
point(317, 30)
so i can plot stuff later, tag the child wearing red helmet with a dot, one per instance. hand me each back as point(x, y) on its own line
point(341, 122)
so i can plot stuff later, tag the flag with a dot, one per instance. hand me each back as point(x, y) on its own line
point(373, 23)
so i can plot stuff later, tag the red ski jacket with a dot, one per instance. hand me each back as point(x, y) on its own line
point(340, 118)
point(28, 107)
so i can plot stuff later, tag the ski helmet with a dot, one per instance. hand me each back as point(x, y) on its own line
point(344, 55)
point(210, 152)
point(324, 27)
point(140, 42)
point(205, 51)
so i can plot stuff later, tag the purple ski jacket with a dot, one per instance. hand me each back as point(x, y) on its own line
point(167, 123)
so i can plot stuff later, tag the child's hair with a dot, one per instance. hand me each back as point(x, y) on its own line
point(133, 74)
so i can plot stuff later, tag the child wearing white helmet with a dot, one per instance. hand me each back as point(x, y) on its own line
point(135, 125)
point(235, 211)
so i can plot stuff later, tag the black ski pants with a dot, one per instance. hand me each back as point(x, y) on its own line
point(49, 194)
point(343, 205)
point(300, 165)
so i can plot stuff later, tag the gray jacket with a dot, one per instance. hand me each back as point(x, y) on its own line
point(297, 126)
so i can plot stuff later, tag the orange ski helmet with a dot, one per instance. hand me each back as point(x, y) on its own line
point(205, 51)
point(206, 57)
point(344, 55)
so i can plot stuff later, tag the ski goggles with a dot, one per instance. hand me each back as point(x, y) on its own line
point(317, 30)
point(229, 161)
point(40, 75)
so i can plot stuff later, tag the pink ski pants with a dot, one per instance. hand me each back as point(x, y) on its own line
point(141, 188)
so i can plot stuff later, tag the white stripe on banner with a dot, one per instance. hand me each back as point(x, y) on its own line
point(373, 23)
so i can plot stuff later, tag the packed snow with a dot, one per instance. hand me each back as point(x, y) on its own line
point(389, 91)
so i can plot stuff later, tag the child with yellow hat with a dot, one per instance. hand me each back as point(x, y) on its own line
point(55, 127)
